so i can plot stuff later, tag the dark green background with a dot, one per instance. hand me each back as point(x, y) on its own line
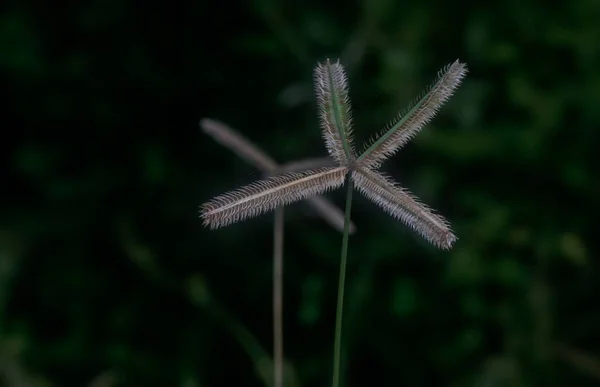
point(107, 275)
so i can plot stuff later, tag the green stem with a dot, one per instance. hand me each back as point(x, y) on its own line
point(337, 347)
point(278, 299)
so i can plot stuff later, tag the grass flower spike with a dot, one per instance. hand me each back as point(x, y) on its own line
point(331, 85)
point(332, 91)
point(266, 195)
point(255, 156)
point(410, 122)
point(402, 205)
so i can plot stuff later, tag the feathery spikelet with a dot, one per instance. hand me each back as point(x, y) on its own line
point(244, 148)
point(331, 86)
point(331, 213)
point(230, 138)
point(399, 203)
point(407, 125)
point(266, 195)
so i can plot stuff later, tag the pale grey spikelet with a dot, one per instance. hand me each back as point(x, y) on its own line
point(409, 123)
point(240, 145)
point(266, 195)
point(330, 213)
point(402, 205)
point(331, 87)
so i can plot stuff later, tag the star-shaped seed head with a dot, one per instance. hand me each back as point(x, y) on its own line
point(331, 86)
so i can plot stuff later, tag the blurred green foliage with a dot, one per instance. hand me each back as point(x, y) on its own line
point(107, 277)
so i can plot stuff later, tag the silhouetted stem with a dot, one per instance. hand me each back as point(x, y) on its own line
point(337, 347)
point(278, 298)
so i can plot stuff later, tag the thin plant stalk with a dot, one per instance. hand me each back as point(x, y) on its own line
point(278, 298)
point(337, 346)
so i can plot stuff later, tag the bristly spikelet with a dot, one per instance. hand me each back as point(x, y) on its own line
point(239, 144)
point(248, 151)
point(407, 125)
point(402, 205)
point(331, 87)
point(266, 195)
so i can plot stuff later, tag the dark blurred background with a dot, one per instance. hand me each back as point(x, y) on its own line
point(107, 277)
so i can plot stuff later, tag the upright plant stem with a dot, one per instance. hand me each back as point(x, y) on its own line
point(337, 347)
point(278, 299)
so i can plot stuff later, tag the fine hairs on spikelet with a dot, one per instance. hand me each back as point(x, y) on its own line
point(240, 145)
point(407, 125)
point(306, 164)
point(403, 206)
point(331, 87)
point(245, 149)
point(266, 195)
point(326, 209)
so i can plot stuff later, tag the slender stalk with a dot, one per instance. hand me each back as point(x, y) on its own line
point(278, 298)
point(337, 347)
